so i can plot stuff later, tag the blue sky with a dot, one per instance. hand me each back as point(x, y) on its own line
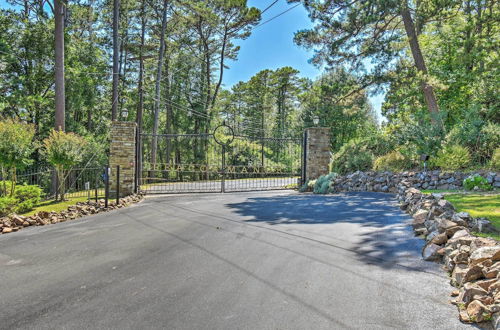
point(271, 46)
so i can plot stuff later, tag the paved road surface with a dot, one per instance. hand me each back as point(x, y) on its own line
point(266, 260)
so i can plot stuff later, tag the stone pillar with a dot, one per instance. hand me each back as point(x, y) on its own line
point(317, 152)
point(122, 152)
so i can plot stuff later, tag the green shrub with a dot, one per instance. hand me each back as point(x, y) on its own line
point(476, 182)
point(322, 184)
point(477, 135)
point(419, 138)
point(7, 205)
point(26, 206)
point(393, 161)
point(352, 156)
point(377, 143)
point(452, 158)
point(5, 186)
point(28, 196)
point(28, 192)
point(495, 160)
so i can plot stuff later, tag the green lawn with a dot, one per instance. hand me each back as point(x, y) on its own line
point(485, 205)
point(53, 206)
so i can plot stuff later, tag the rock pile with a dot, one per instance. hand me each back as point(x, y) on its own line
point(473, 262)
point(389, 181)
point(16, 222)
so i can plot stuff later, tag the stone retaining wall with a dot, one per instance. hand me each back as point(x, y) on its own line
point(389, 181)
point(473, 262)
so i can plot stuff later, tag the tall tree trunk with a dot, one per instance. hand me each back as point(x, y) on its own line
point(430, 98)
point(140, 87)
point(140, 106)
point(59, 65)
point(116, 58)
point(170, 113)
point(161, 53)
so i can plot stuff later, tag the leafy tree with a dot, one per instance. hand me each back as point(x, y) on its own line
point(366, 37)
point(348, 116)
point(63, 150)
point(16, 147)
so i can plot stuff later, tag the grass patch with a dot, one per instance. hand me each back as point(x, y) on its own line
point(56, 206)
point(477, 204)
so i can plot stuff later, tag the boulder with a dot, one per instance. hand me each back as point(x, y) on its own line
point(473, 273)
point(445, 205)
point(464, 316)
point(458, 274)
point(485, 284)
point(484, 253)
point(419, 217)
point(476, 311)
point(449, 263)
point(451, 231)
point(460, 233)
point(470, 291)
point(6, 230)
point(439, 239)
point(43, 214)
point(461, 258)
point(445, 224)
point(492, 271)
point(431, 252)
point(17, 219)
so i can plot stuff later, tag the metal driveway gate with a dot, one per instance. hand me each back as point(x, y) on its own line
point(218, 162)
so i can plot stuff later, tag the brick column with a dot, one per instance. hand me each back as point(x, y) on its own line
point(317, 152)
point(122, 152)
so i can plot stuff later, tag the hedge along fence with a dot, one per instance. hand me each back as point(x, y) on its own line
point(37, 185)
point(78, 182)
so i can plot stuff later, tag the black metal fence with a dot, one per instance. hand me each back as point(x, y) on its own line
point(76, 182)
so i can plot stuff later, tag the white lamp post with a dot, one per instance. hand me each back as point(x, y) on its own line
point(124, 113)
point(315, 120)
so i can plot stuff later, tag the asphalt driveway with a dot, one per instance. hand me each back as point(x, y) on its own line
point(265, 260)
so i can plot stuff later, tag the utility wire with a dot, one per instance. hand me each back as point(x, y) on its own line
point(272, 4)
point(276, 16)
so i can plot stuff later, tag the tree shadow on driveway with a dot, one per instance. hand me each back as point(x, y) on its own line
point(367, 224)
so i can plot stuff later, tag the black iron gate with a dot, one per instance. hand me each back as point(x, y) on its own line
point(217, 162)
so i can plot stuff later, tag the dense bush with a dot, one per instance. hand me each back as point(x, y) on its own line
point(495, 160)
point(28, 196)
point(353, 156)
point(24, 199)
point(416, 139)
point(377, 143)
point(476, 182)
point(5, 187)
point(322, 184)
point(476, 135)
point(393, 161)
point(452, 158)
point(7, 205)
